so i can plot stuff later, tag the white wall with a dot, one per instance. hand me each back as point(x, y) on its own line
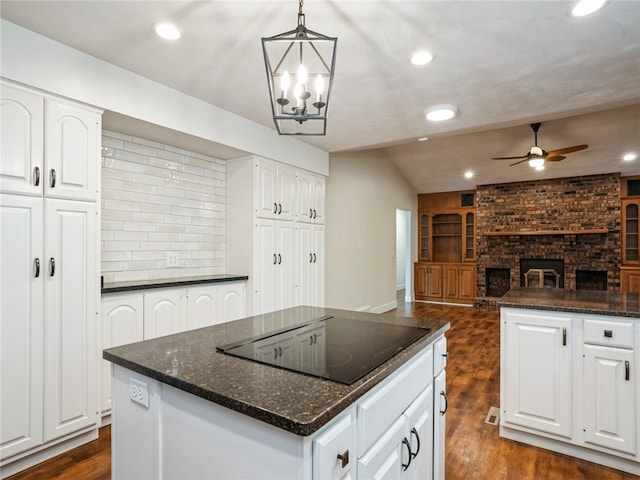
point(37, 61)
point(363, 192)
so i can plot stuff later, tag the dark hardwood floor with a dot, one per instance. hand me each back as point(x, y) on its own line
point(474, 450)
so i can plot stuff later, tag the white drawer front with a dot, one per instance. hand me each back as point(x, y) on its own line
point(440, 355)
point(611, 334)
point(378, 412)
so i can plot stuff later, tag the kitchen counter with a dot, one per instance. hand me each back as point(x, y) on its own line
point(620, 304)
point(118, 287)
point(294, 402)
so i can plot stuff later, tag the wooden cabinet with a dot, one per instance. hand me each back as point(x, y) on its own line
point(630, 232)
point(629, 279)
point(569, 383)
point(446, 247)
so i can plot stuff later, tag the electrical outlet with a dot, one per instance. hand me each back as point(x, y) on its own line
point(172, 259)
point(139, 392)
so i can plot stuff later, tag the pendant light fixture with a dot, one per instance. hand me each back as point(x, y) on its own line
point(300, 67)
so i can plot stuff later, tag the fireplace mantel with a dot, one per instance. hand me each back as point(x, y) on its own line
point(515, 233)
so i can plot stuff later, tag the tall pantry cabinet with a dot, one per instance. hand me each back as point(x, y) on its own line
point(49, 224)
point(275, 231)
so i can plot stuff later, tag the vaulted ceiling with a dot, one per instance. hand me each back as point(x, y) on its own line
point(505, 64)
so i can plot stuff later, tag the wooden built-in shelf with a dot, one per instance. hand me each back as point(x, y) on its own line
point(509, 233)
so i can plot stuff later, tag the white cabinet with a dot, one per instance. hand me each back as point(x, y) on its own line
point(260, 233)
point(275, 190)
point(310, 197)
point(610, 397)
point(122, 323)
point(21, 323)
point(66, 164)
point(569, 383)
point(22, 146)
point(310, 264)
point(274, 266)
point(49, 287)
point(144, 314)
point(440, 406)
point(385, 434)
point(538, 367)
point(162, 313)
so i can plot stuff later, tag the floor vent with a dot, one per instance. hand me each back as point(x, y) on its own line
point(493, 417)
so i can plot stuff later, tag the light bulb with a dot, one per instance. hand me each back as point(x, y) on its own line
point(285, 82)
point(536, 162)
point(319, 88)
point(302, 75)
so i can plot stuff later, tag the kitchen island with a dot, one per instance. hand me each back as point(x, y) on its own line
point(181, 409)
point(569, 373)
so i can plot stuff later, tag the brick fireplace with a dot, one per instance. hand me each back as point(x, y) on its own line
point(574, 222)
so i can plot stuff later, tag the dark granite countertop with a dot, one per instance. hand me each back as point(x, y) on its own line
point(295, 402)
point(168, 282)
point(621, 304)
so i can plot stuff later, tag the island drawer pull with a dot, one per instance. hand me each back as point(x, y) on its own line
point(406, 443)
point(608, 333)
point(344, 457)
point(446, 403)
point(627, 370)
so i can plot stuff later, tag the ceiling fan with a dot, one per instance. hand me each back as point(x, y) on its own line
point(537, 157)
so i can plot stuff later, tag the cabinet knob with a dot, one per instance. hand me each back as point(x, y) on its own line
point(344, 458)
point(608, 333)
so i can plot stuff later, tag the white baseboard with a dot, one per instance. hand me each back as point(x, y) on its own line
point(385, 308)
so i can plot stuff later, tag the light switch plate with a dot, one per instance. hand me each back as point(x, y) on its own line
point(139, 392)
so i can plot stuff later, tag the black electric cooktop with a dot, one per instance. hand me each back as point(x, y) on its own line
point(339, 349)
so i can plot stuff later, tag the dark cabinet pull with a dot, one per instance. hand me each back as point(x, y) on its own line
point(53, 178)
point(406, 443)
point(344, 458)
point(52, 267)
point(608, 333)
point(275, 207)
point(36, 173)
point(275, 353)
point(627, 370)
point(279, 259)
point(314, 258)
point(315, 214)
point(564, 337)
point(311, 213)
point(279, 208)
point(446, 403)
point(275, 259)
point(415, 432)
point(310, 257)
point(37, 262)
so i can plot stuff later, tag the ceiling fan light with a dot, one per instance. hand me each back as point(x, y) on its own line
point(420, 58)
point(167, 30)
point(537, 151)
point(536, 162)
point(439, 113)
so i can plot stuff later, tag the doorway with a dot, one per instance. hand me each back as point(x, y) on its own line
point(403, 253)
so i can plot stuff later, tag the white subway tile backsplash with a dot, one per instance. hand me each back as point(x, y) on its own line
point(158, 198)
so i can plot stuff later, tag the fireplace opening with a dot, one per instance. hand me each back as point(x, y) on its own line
point(541, 273)
point(591, 280)
point(498, 281)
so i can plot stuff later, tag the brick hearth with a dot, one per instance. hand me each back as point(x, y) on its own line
point(570, 204)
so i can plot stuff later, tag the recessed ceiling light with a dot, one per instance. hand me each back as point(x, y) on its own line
point(586, 7)
point(629, 157)
point(423, 139)
point(439, 113)
point(167, 30)
point(468, 174)
point(421, 57)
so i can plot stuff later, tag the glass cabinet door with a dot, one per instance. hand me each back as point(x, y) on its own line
point(424, 237)
point(470, 237)
point(630, 234)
